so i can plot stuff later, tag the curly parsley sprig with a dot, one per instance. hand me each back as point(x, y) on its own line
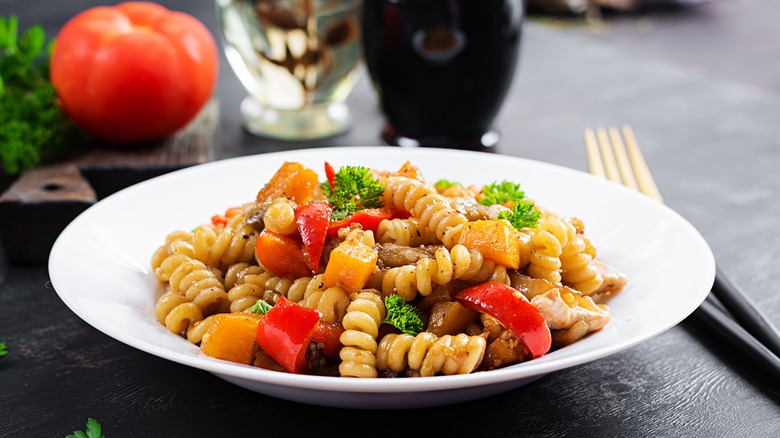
point(522, 215)
point(402, 315)
point(354, 188)
point(501, 192)
point(33, 128)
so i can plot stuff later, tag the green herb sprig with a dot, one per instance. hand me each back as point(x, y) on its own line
point(3, 349)
point(402, 315)
point(522, 215)
point(445, 184)
point(354, 188)
point(261, 307)
point(501, 192)
point(33, 128)
point(93, 431)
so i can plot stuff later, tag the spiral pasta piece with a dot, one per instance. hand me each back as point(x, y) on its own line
point(280, 216)
point(427, 355)
point(456, 264)
point(331, 302)
point(548, 242)
point(577, 268)
point(177, 242)
point(199, 284)
point(407, 232)
point(366, 237)
point(176, 312)
point(426, 204)
point(361, 328)
point(222, 246)
point(459, 191)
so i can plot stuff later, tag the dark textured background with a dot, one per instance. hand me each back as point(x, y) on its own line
point(700, 87)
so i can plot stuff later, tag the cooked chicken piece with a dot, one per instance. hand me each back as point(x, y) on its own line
point(614, 282)
point(559, 315)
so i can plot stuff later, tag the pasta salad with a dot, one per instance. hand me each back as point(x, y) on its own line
point(380, 273)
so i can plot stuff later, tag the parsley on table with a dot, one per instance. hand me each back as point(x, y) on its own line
point(93, 431)
point(33, 128)
point(354, 188)
point(3, 349)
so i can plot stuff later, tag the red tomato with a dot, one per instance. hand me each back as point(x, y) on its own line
point(512, 310)
point(133, 72)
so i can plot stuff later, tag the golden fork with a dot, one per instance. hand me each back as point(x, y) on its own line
point(615, 155)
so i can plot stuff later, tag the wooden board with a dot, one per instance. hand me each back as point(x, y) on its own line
point(36, 206)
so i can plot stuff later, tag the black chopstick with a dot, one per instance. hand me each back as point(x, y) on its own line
point(745, 312)
point(709, 313)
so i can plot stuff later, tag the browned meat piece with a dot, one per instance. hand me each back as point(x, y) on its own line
point(450, 318)
point(393, 256)
point(504, 351)
point(530, 286)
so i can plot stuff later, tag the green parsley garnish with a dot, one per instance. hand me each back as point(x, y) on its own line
point(93, 431)
point(522, 215)
point(261, 307)
point(501, 193)
point(402, 315)
point(354, 188)
point(33, 128)
point(445, 184)
point(3, 349)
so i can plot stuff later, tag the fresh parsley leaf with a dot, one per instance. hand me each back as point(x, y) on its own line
point(445, 184)
point(522, 215)
point(261, 307)
point(33, 128)
point(503, 192)
point(354, 188)
point(402, 315)
point(3, 349)
point(93, 431)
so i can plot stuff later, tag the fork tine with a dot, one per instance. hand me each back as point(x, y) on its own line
point(594, 157)
point(622, 159)
point(644, 177)
point(607, 156)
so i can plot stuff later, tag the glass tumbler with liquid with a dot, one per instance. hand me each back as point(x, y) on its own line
point(298, 61)
point(441, 68)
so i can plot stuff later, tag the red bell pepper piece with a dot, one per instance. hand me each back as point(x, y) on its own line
point(285, 331)
point(329, 335)
point(513, 310)
point(330, 174)
point(369, 219)
point(282, 255)
point(312, 221)
point(222, 220)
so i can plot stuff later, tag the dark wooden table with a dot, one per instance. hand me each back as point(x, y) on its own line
point(699, 86)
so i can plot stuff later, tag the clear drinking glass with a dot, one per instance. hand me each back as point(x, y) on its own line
point(297, 59)
point(441, 68)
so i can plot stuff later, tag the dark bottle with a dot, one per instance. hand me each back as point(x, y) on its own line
point(441, 68)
